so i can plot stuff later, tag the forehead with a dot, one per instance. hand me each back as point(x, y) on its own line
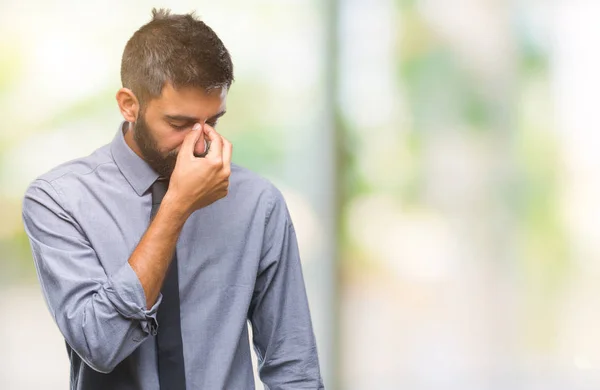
point(189, 101)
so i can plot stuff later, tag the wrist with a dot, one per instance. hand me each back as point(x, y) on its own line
point(175, 208)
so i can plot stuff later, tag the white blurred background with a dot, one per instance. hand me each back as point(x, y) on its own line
point(440, 160)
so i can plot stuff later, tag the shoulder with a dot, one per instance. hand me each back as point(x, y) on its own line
point(58, 188)
point(243, 179)
point(79, 167)
point(250, 189)
point(81, 170)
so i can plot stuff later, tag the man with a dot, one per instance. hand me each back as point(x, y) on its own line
point(154, 251)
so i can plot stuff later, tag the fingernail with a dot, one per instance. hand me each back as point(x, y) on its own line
point(197, 126)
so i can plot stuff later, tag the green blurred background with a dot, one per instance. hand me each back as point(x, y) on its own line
point(439, 159)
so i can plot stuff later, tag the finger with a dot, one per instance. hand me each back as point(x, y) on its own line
point(189, 142)
point(227, 151)
point(216, 143)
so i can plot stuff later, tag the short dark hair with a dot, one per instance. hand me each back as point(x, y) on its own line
point(180, 49)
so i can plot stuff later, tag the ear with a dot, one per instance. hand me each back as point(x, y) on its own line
point(128, 104)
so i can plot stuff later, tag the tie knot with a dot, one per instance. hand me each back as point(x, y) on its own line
point(159, 189)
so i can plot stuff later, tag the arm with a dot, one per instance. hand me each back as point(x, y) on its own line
point(103, 317)
point(152, 256)
point(282, 329)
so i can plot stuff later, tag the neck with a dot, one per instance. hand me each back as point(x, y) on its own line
point(130, 141)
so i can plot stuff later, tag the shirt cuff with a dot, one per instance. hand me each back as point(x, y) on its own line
point(125, 292)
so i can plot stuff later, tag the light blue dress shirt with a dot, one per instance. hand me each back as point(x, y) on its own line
point(238, 260)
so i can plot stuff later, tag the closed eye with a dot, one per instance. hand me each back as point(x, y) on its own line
point(179, 127)
point(189, 121)
point(183, 127)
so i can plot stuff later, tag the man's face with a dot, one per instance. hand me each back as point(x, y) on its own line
point(165, 121)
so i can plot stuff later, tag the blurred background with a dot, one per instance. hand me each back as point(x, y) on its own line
point(439, 158)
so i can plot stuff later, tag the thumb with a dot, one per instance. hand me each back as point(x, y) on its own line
point(189, 142)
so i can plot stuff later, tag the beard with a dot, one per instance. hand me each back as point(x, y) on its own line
point(163, 165)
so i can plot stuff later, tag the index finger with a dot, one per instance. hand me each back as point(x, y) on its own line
point(216, 143)
point(189, 142)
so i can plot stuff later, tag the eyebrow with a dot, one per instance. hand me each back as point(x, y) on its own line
point(185, 118)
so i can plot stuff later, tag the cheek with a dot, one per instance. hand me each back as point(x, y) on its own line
point(173, 141)
point(167, 139)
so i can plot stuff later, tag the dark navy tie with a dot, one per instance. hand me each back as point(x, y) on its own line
point(171, 368)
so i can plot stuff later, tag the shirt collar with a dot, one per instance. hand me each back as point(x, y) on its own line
point(137, 172)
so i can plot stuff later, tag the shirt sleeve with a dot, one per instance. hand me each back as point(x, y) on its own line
point(279, 313)
point(102, 317)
